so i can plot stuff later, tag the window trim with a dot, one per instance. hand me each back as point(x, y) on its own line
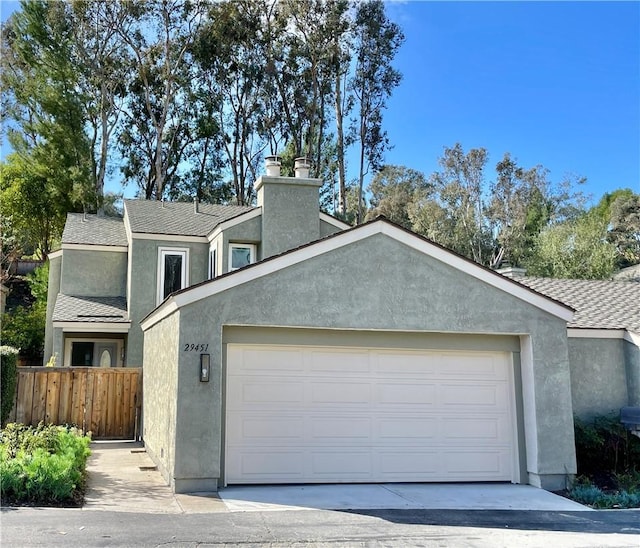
point(212, 268)
point(252, 256)
point(162, 252)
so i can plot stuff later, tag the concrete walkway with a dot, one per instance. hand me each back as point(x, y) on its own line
point(122, 478)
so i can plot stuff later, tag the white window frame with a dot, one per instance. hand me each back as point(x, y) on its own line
point(212, 269)
point(252, 256)
point(164, 251)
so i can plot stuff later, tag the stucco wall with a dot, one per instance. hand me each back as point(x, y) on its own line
point(249, 232)
point(598, 376)
point(326, 229)
point(144, 284)
point(55, 266)
point(290, 213)
point(378, 283)
point(94, 273)
point(159, 387)
point(632, 360)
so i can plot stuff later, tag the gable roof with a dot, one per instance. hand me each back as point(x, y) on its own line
point(94, 230)
point(313, 249)
point(599, 304)
point(178, 218)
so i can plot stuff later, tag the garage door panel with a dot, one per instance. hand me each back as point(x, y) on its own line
point(349, 393)
point(406, 394)
point(337, 421)
point(464, 394)
point(475, 430)
point(248, 392)
point(329, 429)
point(341, 464)
point(266, 360)
point(408, 429)
point(339, 361)
point(412, 363)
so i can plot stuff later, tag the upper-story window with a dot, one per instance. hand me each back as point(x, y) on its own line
point(241, 255)
point(213, 264)
point(172, 271)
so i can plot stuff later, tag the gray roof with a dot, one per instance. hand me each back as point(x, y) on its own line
point(178, 218)
point(90, 309)
point(599, 304)
point(94, 230)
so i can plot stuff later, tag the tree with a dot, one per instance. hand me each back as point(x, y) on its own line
point(44, 99)
point(625, 229)
point(376, 42)
point(32, 204)
point(159, 36)
point(393, 191)
point(577, 248)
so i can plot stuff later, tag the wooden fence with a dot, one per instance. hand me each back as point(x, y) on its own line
point(104, 401)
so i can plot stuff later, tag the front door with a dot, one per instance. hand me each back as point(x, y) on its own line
point(105, 354)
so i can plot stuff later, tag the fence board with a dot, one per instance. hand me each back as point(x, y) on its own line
point(105, 401)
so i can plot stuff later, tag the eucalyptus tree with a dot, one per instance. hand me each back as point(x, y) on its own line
point(376, 41)
point(158, 35)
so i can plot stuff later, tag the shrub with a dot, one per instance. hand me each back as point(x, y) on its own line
point(8, 379)
point(42, 465)
point(605, 446)
point(584, 492)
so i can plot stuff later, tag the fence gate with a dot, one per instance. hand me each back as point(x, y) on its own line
point(104, 401)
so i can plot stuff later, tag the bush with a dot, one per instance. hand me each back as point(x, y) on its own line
point(42, 465)
point(605, 446)
point(8, 379)
point(584, 492)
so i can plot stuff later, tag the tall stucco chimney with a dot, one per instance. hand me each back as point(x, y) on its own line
point(512, 272)
point(290, 207)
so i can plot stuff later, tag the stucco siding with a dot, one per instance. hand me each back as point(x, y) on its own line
point(249, 232)
point(598, 376)
point(632, 361)
point(55, 267)
point(144, 284)
point(94, 273)
point(326, 229)
point(160, 386)
point(377, 284)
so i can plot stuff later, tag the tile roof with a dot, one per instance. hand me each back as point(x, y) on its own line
point(90, 309)
point(599, 304)
point(94, 230)
point(178, 218)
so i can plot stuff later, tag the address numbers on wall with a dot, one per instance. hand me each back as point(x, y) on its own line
point(191, 347)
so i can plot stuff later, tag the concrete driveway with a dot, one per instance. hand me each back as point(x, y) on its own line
point(123, 478)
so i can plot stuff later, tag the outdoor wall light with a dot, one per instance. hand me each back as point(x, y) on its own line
point(205, 363)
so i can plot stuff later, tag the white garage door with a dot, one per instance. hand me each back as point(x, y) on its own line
point(326, 415)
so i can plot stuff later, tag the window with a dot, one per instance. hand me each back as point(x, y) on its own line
point(241, 255)
point(172, 271)
point(212, 263)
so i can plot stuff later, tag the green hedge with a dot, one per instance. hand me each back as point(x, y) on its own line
point(42, 465)
point(8, 379)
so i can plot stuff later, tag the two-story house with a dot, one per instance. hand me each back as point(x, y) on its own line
point(111, 272)
point(279, 345)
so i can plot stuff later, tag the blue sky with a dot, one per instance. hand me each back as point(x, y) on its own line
point(553, 83)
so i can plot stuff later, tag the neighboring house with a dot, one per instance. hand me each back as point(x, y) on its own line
point(331, 355)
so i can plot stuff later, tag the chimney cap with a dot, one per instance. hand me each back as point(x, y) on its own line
point(302, 167)
point(272, 164)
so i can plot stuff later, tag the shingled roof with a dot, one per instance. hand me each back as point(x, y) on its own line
point(90, 309)
point(178, 218)
point(599, 304)
point(94, 230)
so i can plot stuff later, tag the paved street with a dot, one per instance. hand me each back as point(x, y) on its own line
point(26, 527)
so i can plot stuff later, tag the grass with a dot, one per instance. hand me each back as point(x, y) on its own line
point(42, 465)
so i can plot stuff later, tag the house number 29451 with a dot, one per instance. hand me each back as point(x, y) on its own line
point(195, 347)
